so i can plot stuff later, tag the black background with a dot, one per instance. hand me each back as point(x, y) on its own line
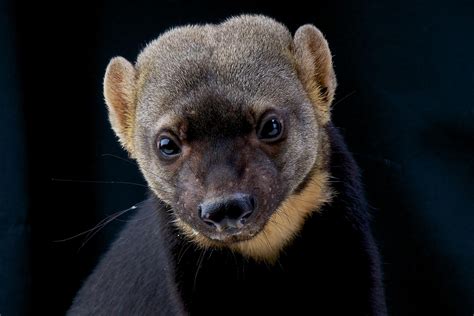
point(404, 103)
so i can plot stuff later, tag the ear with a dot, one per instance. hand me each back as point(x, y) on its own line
point(119, 93)
point(315, 70)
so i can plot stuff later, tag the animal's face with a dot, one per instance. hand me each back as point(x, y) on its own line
point(224, 128)
point(225, 160)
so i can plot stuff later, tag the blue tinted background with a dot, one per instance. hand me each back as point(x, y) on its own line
point(404, 103)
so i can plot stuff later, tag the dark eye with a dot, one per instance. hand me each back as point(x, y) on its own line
point(168, 147)
point(270, 129)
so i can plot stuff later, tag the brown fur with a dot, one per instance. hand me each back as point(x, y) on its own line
point(285, 223)
point(282, 226)
point(251, 60)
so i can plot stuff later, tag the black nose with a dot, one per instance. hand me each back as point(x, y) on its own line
point(229, 212)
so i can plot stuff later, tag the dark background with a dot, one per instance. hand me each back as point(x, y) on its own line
point(404, 103)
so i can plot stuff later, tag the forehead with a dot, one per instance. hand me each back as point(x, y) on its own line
point(212, 107)
point(208, 111)
point(217, 116)
point(207, 77)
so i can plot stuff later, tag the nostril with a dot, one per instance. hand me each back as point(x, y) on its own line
point(209, 223)
point(205, 216)
point(252, 202)
point(244, 217)
point(229, 212)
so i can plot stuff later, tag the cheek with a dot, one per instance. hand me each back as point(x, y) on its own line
point(264, 181)
point(189, 192)
point(159, 179)
point(298, 158)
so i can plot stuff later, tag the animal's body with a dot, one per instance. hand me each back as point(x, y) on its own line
point(256, 206)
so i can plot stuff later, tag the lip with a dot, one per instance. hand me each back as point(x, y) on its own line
point(235, 235)
point(232, 236)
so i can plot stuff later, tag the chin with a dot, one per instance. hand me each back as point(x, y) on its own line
point(208, 238)
point(228, 238)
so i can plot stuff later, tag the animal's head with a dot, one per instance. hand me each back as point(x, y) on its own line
point(227, 125)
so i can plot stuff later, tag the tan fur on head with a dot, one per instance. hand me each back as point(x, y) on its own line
point(119, 92)
point(247, 58)
point(315, 70)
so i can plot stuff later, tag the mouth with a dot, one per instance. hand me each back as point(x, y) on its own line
point(232, 235)
point(224, 232)
point(206, 235)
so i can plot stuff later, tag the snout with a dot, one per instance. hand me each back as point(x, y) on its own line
point(227, 213)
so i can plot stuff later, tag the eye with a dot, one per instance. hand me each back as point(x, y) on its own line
point(168, 147)
point(270, 129)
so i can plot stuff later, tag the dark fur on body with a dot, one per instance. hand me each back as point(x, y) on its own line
point(331, 268)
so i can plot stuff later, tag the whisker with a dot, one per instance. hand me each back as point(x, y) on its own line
point(135, 219)
point(98, 182)
point(108, 182)
point(200, 261)
point(159, 177)
point(154, 174)
point(98, 224)
point(104, 223)
point(345, 97)
point(183, 252)
point(121, 158)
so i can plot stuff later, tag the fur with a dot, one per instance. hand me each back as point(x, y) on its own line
point(331, 268)
point(119, 93)
point(268, 50)
point(306, 247)
point(282, 226)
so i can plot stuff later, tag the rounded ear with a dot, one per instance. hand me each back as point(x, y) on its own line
point(119, 93)
point(315, 70)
